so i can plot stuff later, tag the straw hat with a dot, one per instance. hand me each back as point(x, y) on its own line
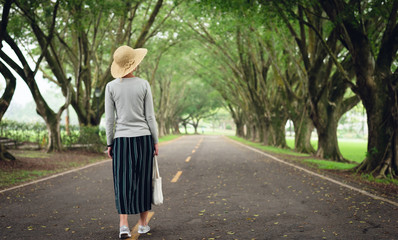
point(125, 59)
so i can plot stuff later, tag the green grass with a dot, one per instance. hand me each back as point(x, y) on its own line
point(324, 164)
point(354, 150)
point(168, 138)
point(267, 148)
point(20, 176)
point(371, 178)
point(351, 149)
point(290, 142)
point(33, 154)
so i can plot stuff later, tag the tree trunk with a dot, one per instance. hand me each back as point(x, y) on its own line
point(54, 135)
point(248, 133)
point(195, 126)
point(176, 128)
point(5, 155)
point(328, 147)
point(8, 91)
point(382, 108)
point(160, 127)
point(5, 103)
point(277, 130)
point(303, 128)
point(239, 129)
point(264, 133)
point(254, 132)
point(238, 120)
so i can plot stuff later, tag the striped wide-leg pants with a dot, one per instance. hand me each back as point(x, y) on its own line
point(132, 173)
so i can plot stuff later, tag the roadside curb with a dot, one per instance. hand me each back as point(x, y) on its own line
point(317, 174)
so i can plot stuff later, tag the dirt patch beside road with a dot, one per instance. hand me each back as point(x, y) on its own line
point(34, 164)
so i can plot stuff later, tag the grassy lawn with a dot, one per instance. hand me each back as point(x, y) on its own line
point(353, 150)
point(324, 164)
point(20, 176)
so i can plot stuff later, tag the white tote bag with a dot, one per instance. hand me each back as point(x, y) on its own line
point(157, 194)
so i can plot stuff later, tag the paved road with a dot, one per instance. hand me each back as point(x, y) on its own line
point(225, 191)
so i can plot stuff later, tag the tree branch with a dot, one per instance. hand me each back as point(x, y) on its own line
point(141, 39)
point(4, 20)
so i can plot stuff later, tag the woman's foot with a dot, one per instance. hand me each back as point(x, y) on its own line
point(124, 232)
point(143, 229)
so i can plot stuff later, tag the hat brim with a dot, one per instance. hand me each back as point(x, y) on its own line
point(118, 72)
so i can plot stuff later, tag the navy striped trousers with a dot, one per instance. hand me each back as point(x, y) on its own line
point(132, 173)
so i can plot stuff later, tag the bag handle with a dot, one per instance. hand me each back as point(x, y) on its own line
point(156, 166)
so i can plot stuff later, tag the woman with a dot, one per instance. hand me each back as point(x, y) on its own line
point(131, 137)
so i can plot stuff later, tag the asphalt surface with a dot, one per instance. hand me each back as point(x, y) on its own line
point(225, 191)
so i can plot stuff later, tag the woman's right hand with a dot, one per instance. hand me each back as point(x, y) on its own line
point(110, 152)
point(156, 149)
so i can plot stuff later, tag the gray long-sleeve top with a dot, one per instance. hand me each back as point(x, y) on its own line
point(129, 108)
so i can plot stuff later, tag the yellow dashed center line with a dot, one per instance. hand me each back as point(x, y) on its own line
point(188, 159)
point(193, 151)
point(134, 231)
point(176, 177)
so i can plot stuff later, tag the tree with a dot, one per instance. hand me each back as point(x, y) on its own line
point(73, 41)
point(83, 46)
point(248, 69)
point(28, 74)
point(202, 103)
point(369, 31)
point(8, 77)
point(326, 86)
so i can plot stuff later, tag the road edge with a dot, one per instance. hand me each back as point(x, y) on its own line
point(352, 188)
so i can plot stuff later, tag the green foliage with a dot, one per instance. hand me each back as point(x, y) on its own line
point(23, 132)
point(203, 100)
point(90, 138)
